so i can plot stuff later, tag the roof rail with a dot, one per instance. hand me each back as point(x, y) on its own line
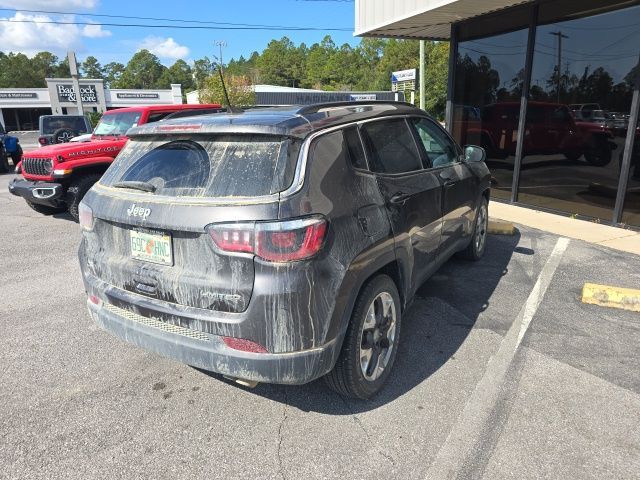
point(316, 107)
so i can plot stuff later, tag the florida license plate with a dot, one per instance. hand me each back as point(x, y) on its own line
point(150, 247)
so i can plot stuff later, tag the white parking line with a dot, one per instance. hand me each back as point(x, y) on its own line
point(467, 431)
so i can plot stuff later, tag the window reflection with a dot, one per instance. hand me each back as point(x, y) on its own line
point(578, 115)
point(488, 85)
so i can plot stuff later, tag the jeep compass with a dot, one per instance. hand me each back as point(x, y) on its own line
point(280, 245)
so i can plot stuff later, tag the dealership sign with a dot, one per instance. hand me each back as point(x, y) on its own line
point(403, 75)
point(362, 97)
point(127, 95)
point(66, 93)
point(18, 95)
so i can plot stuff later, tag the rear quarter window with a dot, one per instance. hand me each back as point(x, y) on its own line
point(220, 166)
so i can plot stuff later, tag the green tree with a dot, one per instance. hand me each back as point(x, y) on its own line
point(144, 70)
point(239, 89)
point(281, 63)
point(91, 68)
point(436, 73)
point(112, 73)
point(180, 72)
point(202, 69)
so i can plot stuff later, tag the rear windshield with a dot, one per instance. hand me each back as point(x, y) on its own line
point(117, 123)
point(220, 166)
point(51, 124)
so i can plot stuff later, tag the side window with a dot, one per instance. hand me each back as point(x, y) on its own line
point(155, 116)
point(391, 147)
point(354, 147)
point(438, 146)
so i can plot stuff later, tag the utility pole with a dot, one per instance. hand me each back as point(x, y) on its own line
point(421, 80)
point(560, 36)
point(220, 44)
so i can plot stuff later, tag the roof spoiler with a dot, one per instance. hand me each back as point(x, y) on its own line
point(315, 108)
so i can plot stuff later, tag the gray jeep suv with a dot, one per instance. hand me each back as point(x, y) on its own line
point(280, 245)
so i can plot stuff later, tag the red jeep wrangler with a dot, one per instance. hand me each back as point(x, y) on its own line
point(550, 129)
point(56, 177)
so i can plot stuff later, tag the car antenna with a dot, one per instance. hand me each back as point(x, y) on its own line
point(230, 108)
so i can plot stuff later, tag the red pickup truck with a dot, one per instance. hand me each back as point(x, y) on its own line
point(56, 177)
point(550, 129)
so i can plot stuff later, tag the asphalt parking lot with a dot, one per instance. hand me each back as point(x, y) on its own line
point(502, 373)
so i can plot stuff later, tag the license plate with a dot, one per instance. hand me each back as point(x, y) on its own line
point(155, 248)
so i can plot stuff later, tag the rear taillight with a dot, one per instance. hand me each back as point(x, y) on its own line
point(85, 216)
point(42, 140)
point(285, 241)
point(243, 345)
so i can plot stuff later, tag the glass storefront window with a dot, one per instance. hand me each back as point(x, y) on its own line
point(578, 113)
point(488, 85)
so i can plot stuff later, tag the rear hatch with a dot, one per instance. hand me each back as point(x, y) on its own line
point(153, 206)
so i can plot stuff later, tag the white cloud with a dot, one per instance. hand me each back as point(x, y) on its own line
point(30, 38)
point(164, 47)
point(28, 34)
point(95, 31)
point(67, 5)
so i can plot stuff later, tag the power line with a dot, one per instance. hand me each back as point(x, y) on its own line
point(183, 27)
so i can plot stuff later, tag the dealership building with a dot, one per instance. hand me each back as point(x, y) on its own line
point(550, 89)
point(20, 108)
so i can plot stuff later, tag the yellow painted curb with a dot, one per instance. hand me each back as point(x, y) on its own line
point(616, 297)
point(499, 227)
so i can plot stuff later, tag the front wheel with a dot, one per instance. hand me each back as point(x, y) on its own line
point(475, 250)
point(371, 342)
point(17, 156)
point(76, 192)
point(4, 162)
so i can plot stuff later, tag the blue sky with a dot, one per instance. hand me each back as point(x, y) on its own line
point(112, 43)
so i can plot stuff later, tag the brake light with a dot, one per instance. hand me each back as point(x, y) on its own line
point(85, 216)
point(285, 241)
point(42, 140)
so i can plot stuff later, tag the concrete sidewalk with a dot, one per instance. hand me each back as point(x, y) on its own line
point(612, 237)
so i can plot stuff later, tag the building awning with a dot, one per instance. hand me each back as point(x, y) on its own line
point(428, 19)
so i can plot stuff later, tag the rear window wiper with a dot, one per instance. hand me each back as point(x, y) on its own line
point(136, 185)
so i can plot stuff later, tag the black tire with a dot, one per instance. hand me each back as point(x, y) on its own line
point(347, 377)
point(4, 162)
point(44, 209)
point(600, 154)
point(573, 156)
point(16, 156)
point(63, 135)
point(76, 192)
point(475, 249)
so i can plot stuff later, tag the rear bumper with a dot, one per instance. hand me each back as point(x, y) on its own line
point(42, 193)
point(207, 351)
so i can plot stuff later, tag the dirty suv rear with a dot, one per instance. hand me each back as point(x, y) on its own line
point(244, 243)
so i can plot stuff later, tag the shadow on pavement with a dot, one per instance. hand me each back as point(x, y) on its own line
point(434, 327)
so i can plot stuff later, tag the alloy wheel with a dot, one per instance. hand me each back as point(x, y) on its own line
point(378, 336)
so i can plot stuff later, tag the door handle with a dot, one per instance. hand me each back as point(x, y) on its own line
point(399, 198)
point(448, 181)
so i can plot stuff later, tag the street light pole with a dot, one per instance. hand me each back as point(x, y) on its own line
point(220, 44)
point(560, 36)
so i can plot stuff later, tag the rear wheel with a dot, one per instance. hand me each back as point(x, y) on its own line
point(44, 209)
point(371, 342)
point(76, 192)
point(476, 247)
point(600, 154)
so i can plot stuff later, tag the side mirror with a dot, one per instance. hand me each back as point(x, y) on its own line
point(474, 154)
